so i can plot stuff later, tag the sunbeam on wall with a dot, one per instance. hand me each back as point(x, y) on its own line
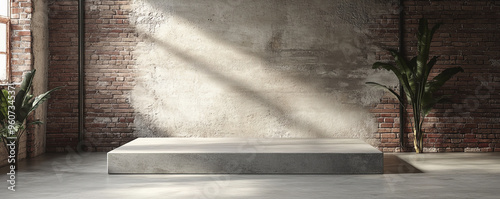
point(255, 69)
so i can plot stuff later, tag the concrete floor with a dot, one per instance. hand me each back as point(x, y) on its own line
point(407, 175)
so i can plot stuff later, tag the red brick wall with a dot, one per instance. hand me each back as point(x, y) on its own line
point(62, 113)
point(109, 41)
point(20, 38)
point(470, 38)
point(109, 74)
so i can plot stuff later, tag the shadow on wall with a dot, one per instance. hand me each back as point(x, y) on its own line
point(255, 68)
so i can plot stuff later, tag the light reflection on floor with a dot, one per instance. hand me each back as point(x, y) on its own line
point(436, 175)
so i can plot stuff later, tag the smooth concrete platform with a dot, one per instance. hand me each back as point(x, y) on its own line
point(245, 156)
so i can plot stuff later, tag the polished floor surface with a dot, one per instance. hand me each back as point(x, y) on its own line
point(407, 175)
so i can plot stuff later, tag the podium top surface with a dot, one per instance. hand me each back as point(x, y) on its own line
point(245, 145)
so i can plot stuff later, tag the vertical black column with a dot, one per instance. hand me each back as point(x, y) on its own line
point(402, 118)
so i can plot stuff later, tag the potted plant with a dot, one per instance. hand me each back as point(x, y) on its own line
point(413, 75)
point(16, 105)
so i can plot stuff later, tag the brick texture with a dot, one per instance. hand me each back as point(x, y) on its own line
point(20, 48)
point(109, 66)
point(62, 114)
point(469, 38)
point(109, 74)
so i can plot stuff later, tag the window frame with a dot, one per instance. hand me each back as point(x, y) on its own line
point(6, 20)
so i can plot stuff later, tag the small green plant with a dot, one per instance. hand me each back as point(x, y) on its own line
point(414, 77)
point(16, 105)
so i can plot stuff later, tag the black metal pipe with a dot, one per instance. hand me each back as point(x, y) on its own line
point(402, 117)
point(81, 71)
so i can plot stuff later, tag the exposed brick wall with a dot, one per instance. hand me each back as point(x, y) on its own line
point(470, 38)
point(21, 58)
point(109, 66)
point(109, 74)
point(62, 114)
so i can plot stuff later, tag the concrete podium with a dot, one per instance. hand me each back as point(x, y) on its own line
point(245, 156)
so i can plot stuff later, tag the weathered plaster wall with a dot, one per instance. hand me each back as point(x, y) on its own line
point(260, 68)
point(40, 31)
point(277, 68)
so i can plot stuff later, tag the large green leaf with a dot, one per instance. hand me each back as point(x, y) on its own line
point(23, 111)
point(401, 62)
point(21, 96)
point(408, 89)
point(423, 47)
point(40, 99)
point(4, 104)
point(442, 78)
point(401, 77)
point(412, 65)
point(429, 102)
point(388, 89)
point(19, 99)
point(28, 80)
point(430, 65)
point(389, 67)
point(433, 30)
